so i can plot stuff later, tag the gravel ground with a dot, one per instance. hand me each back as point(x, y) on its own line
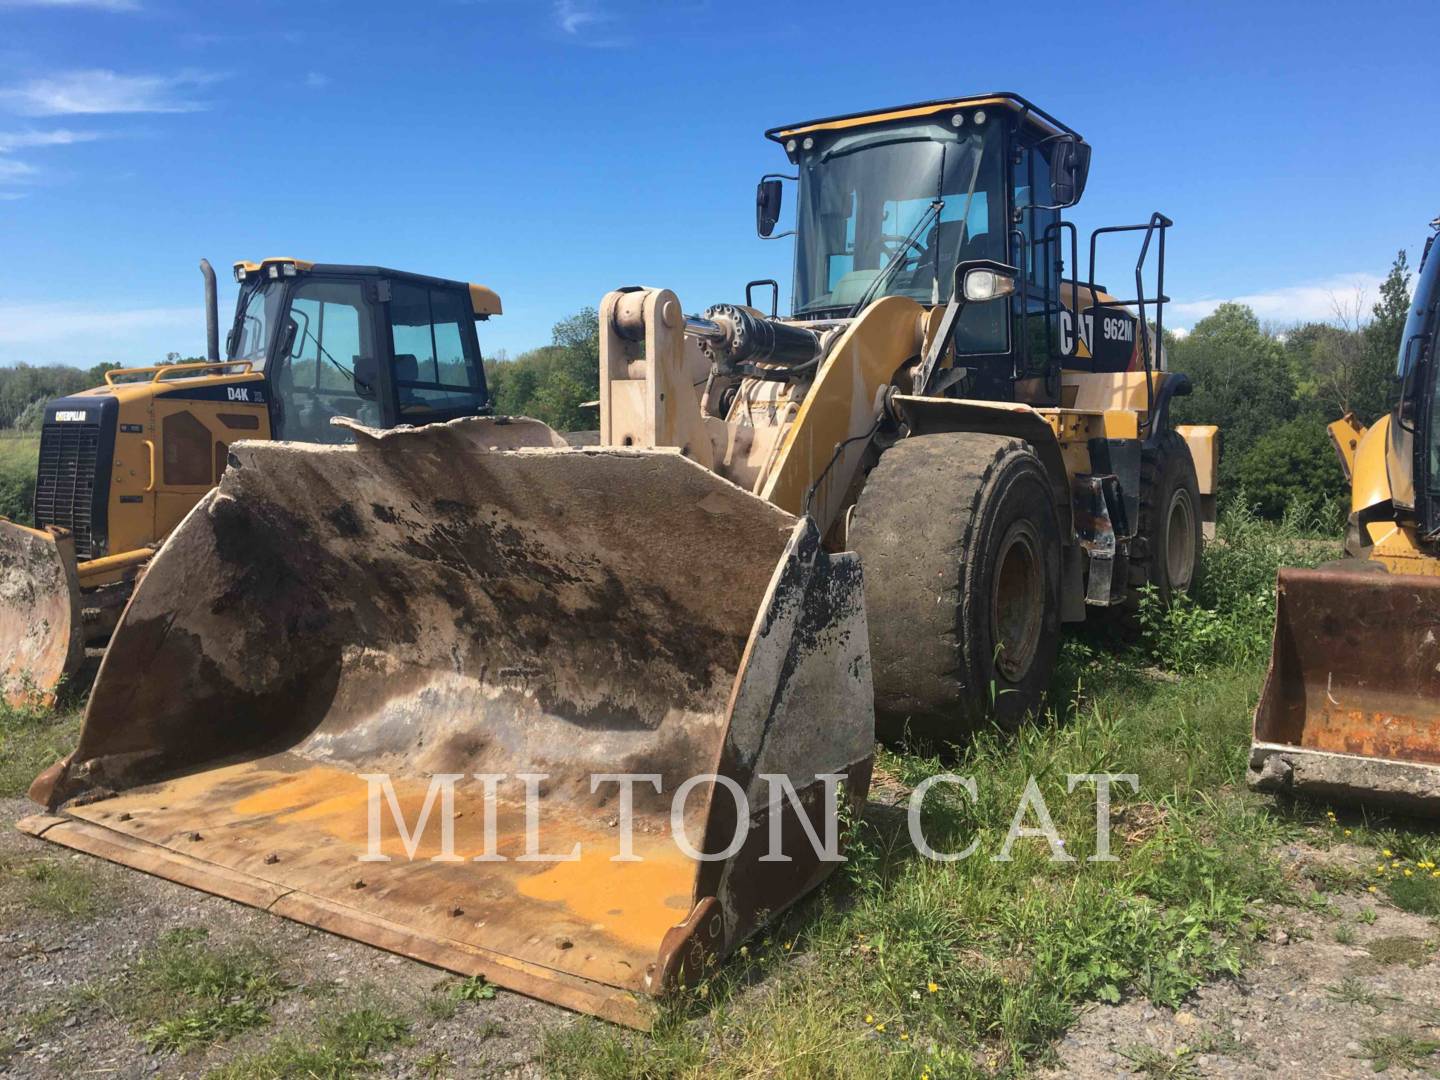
point(50, 1026)
point(1331, 989)
point(1307, 1006)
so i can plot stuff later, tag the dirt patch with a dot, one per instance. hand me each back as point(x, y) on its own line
point(63, 961)
point(1339, 988)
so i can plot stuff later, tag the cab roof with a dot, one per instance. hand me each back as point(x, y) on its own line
point(1029, 114)
point(484, 300)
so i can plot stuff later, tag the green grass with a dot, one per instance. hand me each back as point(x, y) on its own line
point(60, 888)
point(31, 740)
point(183, 992)
point(343, 1046)
point(1401, 1050)
point(19, 452)
point(904, 967)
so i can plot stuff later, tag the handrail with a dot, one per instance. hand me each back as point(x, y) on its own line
point(159, 371)
point(1158, 222)
point(150, 447)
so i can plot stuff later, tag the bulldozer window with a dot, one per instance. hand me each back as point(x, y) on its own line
point(254, 316)
point(436, 364)
point(867, 203)
point(333, 326)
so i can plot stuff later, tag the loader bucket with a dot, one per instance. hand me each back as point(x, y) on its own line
point(41, 638)
point(419, 611)
point(1350, 709)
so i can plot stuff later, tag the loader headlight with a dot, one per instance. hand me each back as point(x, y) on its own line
point(982, 285)
point(239, 273)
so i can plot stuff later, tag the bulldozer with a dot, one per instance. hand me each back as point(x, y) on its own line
point(1350, 709)
point(122, 464)
point(872, 516)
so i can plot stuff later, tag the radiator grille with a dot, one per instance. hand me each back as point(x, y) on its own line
point(65, 482)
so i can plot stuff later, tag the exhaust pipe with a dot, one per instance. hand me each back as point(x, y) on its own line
point(212, 312)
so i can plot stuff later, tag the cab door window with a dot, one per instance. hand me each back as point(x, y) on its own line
point(1037, 239)
point(435, 361)
point(331, 327)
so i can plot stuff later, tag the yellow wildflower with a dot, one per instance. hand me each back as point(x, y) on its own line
point(1370, 888)
point(1347, 832)
point(1408, 871)
point(905, 1035)
point(879, 1027)
point(932, 986)
point(1386, 852)
point(869, 1019)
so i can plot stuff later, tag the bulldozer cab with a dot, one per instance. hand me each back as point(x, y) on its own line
point(903, 202)
point(378, 346)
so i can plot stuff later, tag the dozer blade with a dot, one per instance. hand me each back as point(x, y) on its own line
point(418, 606)
point(1350, 709)
point(41, 639)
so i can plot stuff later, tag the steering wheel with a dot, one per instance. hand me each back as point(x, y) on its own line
point(899, 243)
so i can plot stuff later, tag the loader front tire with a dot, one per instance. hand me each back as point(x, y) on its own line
point(960, 550)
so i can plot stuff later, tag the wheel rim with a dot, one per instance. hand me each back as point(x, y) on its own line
point(1180, 541)
point(1017, 603)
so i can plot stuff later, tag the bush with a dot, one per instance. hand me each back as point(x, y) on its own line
point(1230, 615)
point(1294, 465)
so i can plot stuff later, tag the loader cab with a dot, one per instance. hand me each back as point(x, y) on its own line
point(891, 203)
point(1418, 371)
point(379, 346)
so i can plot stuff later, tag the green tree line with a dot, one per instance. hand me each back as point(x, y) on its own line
point(1272, 393)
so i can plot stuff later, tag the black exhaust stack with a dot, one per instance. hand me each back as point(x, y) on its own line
point(212, 312)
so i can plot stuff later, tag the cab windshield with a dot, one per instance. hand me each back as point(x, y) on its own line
point(255, 314)
point(868, 224)
point(1423, 313)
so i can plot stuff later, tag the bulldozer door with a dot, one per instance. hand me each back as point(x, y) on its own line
point(332, 328)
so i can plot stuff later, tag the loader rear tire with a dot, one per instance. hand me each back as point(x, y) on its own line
point(960, 550)
point(1166, 550)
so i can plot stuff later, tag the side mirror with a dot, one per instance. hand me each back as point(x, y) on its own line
point(767, 205)
point(1069, 169)
point(232, 342)
point(982, 284)
point(366, 375)
point(291, 329)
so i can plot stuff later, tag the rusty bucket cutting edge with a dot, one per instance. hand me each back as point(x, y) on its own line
point(41, 638)
point(1350, 709)
point(420, 605)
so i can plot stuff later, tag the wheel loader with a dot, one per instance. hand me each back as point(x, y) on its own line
point(122, 464)
point(881, 507)
point(1350, 709)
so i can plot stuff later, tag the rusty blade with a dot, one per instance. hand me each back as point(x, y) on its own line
point(40, 631)
point(1351, 703)
point(420, 604)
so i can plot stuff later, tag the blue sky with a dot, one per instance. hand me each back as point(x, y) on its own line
point(555, 150)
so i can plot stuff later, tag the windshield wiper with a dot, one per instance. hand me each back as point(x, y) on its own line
point(889, 267)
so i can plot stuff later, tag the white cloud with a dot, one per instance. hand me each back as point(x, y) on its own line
point(316, 80)
point(95, 5)
point(11, 169)
point(1310, 302)
point(22, 140)
point(98, 91)
point(578, 18)
point(80, 334)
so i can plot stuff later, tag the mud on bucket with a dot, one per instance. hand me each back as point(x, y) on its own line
point(340, 629)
